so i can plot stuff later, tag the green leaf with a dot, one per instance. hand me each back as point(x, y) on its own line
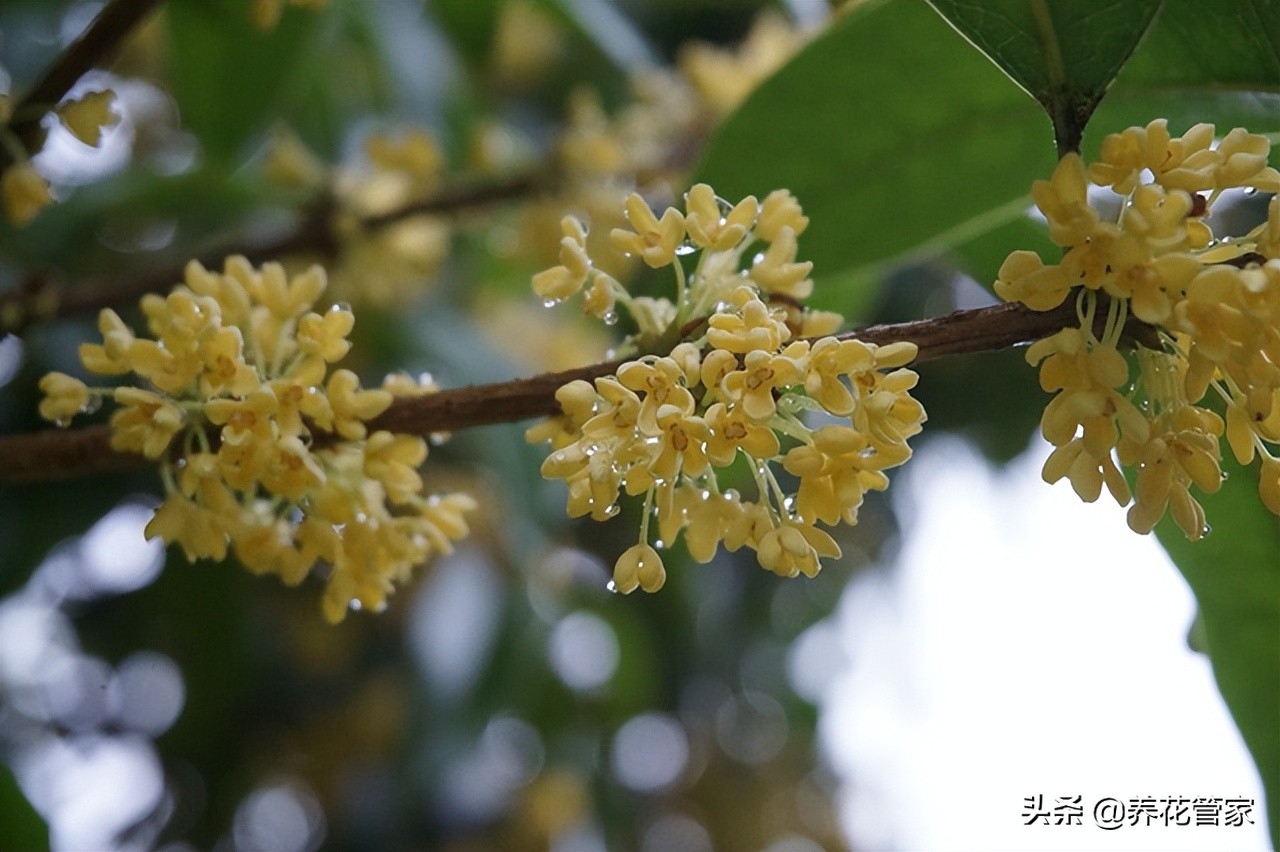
point(914, 149)
point(1235, 575)
point(1222, 67)
point(227, 74)
point(21, 827)
point(1064, 53)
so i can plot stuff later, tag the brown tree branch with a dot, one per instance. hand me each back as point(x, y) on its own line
point(41, 298)
point(103, 35)
point(56, 454)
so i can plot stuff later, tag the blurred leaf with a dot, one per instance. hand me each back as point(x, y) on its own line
point(1235, 575)
point(226, 73)
point(20, 826)
point(469, 26)
point(888, 164)
point(1064, 53)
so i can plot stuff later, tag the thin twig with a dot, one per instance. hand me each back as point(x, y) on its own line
point(103, 35)
point(40, 298)
point(56, 454)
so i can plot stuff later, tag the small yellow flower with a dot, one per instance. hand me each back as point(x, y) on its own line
point(145, 423)
point(181, 521)
point(777, 272)
point(1063, 199)
point(111, 357)
point(714, 228)
point(752, 387)
point(732, 430)
point(325, 336)
point(393, 460)
point(87, 115)
point(639, 567)
point(653, 240)
point(779, 210)
point(25, 193)
point(64, 397)
point(352, 406)
point(795, 548)
point(561, 282)
point(753, 328)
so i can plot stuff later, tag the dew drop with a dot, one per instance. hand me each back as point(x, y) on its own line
point(550, 303)
point(94, 403)
point(686, 248)
point(725, 208)
point(758, 259)
point(1252, 190)
point(344, 307)
point(437, 439)
point(610, 318)
point(1224, 475)
point(659, 544)
point(732, 494)
point(62, 422)
point(612, 511)
point(355, 605)
point(612, 586)
point(1205, 530)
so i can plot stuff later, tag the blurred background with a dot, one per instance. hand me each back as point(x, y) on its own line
point(984, 639)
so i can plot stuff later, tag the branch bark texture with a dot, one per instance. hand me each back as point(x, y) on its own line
point(58, 455)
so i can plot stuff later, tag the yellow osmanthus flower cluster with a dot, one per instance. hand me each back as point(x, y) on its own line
point(262, 444)
point(645, 143)
point(1214, 309)
point(383, 265)
point(23, 190)
point(746, 365)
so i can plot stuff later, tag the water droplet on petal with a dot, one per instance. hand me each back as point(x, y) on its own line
point(345, 307)
point(732, 494)
point(94, 403)
point(355, 605)
point(612, 586)
point(612, 511)
point(659, 544)
point(686, 248)
point(1205, 530)
point(550, 303)
point(725, 208)
point(1224, 475)
point(610, 317)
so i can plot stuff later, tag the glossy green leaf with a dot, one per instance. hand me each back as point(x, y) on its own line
point(1235, 575)
point(1222, 67)
point(227, 74)
point(1064, 53)
point(914, 150)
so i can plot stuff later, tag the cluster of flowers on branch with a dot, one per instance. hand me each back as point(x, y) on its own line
point(1211, 309)
point(263, 445)
point(751, 378)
